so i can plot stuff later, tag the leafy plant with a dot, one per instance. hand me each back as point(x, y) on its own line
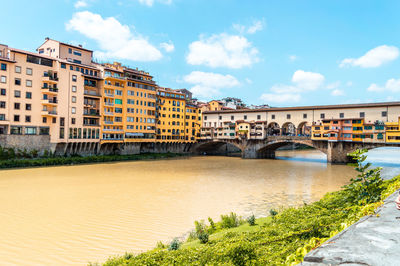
point(367, 186)
point(230, 221)
point(174, 245)
point(251, 220)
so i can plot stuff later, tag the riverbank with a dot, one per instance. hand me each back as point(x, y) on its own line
point(283, 238)
point(74, 160)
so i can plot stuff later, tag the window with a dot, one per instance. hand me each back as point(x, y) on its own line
point(305, 116)
point(322, 116)
point(44, 120)
point(73, 99)
point(28, 118)
point(28, 95)
point(30, 130)
point(17, 106)
point(17, 82)
point(16, 118)
point(63, 65)
point(3, 92)
point(205, 117)
point(16, 130)
point(258, 117)
point(4, 67)
point(17, 69)
point(73, 120)
point(77, 61)
point(77, 53)
point(29, 83)
point(2, 117)
point(341, 115)
point(62, 121)
point(245, 117)
point(54, 120)
point(73, 110)
point(3, 79)
point(17, 94)
point(362, 114)
point(384, 114)
point(44, 131)
point(272, 116)
point(28, 106)
point(73, 88)
point(288, 116)
point(232, 117)
point(2, 104)
point(29, 71)
point(69, 50)
point(74, 78)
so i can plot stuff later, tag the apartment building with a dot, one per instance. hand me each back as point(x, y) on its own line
point(60, 92)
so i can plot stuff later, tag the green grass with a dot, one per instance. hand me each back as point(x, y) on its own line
point(52, 161)
point(280, 240)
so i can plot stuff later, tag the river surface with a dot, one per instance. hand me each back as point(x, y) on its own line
point(78, 214)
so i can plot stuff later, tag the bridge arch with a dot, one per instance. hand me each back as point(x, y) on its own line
point(304, 129)
point(288, 129)
point(218, 147)
point(273, 129)
point(268, 151)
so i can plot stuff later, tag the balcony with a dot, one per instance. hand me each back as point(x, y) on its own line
point(110, 95)
point(109, 122)
point(109, 113)
point(50, 78)
point(49, 113)
point(109, 104)
point(92, 93)
point(49, 102)
point(91, 113)
point(50, 90)
point(90, 125)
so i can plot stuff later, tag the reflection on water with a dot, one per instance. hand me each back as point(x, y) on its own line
point(75, 214)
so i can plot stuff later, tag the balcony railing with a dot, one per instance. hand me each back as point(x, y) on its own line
point(92, 93)
point(92, 113)
point(108, 122)
point(52, 89)
point(109, 94)
point(108, 113)
point(109, 104)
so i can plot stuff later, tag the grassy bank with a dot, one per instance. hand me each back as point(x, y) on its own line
point(280, 239)
point(52, 161)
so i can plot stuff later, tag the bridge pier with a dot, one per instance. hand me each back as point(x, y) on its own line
point(337, 152)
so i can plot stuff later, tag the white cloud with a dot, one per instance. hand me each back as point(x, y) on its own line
point(349, 83)
point(307, 80)
point(333, 85)
point(257, 25)
point(373, 58)
point(167, 46)
point(115, 40)
point(337, 92)
point(249, 81)
point(281, 98)
point(392, 85)
point(302, 82)
point(80, 4)
point(150, 3)
point(222, 50)
point(293, 57)
point(207, 84)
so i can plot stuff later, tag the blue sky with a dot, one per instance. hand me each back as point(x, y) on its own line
point(282, 53)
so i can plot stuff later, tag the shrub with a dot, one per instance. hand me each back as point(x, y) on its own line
point(367, 186)
point(229, 221)
point(212, 228)
point(203, 237)
point(273, 213)
point(160, 245)
point(174, 245)
point(251, 220)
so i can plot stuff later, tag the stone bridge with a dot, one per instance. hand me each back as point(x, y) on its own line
point(265, 149)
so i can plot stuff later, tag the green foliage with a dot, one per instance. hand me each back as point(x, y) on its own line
point(251, 220)
point(367, 186)
point(201, 231)
point(53, 160)
point(160, 245)
point(203, 237)
point(174, 245)
point(230, 221)
point(212, 228)
point(282, 239)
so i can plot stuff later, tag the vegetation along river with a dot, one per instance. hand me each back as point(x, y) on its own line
point(75, 214)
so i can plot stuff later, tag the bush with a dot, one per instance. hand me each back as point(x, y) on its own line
point(367, 186)
point(229, 221)
point(273, 213)
point(251, 220)
point(203, 237)
point(174, 245)
point(212, 228)
point(160, 245)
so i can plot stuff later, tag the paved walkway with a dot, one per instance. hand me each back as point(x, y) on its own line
point(371, 241)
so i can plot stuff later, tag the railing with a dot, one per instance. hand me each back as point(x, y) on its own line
point(109, 94)
point(109, 104)
point(50, 100)
point(92, 93)
point(93, 113)
point(108, 113)
point(108, 122)
point(50, 89)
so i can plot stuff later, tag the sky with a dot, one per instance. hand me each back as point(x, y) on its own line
point(281, 53)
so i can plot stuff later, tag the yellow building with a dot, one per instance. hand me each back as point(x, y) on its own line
point(393, 132)
point(192, 122)
point(171, 107)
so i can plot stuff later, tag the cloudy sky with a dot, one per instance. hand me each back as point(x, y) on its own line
point(282, 53)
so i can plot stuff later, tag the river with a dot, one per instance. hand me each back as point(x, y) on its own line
point(78, 214)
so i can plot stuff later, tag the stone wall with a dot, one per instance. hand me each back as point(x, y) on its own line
point(28, 142)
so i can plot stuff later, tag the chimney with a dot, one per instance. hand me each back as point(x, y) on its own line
point(80, 45)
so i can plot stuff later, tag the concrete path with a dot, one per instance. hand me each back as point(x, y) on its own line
point(371, 241)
